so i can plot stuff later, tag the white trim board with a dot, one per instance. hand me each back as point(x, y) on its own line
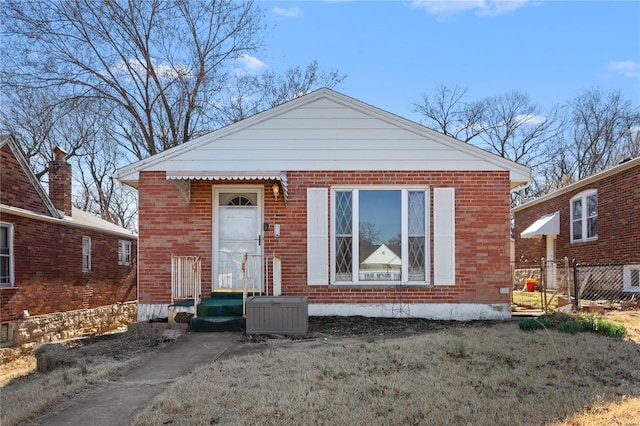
point(433, 311)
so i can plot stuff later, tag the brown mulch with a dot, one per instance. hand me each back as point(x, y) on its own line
point(367, 326)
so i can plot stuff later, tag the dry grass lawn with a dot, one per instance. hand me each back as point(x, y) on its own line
point(480, 375)
point(462, 373)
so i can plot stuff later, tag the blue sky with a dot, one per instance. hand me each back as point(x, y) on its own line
point(392, 52)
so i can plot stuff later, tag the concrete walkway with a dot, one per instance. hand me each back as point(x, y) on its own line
point(118, 403)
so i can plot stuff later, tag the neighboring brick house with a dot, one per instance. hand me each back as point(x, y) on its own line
point(594, 221)
point(53, 257)
point(325, 182)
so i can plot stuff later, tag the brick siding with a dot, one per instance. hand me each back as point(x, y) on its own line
point(169, 226)
point(48, 270)
point(17, 189)
point(618, 223)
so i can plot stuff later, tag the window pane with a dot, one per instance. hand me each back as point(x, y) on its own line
point(577, 209)
point(344, 237)
point(4, 270)
point(577, 229)
point(416, 259)
point(416, 213)
point(635, 278)
point(343, 213)
point(343, 259)
point(416, 236)
point(4, 238)
point(380, 235)
point(592, 205)
point(592, 227)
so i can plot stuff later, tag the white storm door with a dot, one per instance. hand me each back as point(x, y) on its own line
point(238, 231)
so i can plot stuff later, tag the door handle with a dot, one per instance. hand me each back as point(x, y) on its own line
point(258, 239)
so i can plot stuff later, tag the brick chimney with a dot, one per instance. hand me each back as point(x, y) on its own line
point(60, 181)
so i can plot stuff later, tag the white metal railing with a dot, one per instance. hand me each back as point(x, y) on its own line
point(186, 279)
point(251, 267)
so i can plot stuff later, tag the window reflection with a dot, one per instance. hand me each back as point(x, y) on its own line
point(380, 235)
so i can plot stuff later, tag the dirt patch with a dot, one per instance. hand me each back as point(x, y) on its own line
point(366, 326)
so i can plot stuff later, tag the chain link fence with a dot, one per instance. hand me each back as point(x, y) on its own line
point(552, 285)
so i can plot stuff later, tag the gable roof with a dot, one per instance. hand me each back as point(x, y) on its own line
point(383, 255)
point(80, 218)
point(17, 153)
point(583, 182)
point(323, 130)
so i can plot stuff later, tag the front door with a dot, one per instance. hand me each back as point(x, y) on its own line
point(237, 228)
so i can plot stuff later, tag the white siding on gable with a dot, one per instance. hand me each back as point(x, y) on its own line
point(325, 135)
point(324, 130)
point(444, 224)
point(317, 236)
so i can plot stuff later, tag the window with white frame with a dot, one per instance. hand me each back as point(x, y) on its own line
point(6, 255)
point(380, 235)
point(584, 216)
point(124, 252)
point(631, 277)
point(86, 254)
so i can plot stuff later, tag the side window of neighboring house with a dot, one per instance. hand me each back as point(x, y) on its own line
point(5, 332)
point(124, 252)
point(6, 255)
point(584, 216)
point(631, 277)
point(86, 254)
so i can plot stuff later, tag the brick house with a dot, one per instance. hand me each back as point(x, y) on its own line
point(594, 221)
point(369, 213)
point(53, 257)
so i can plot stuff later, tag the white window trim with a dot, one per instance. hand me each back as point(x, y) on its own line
point(583, 222)
point(86, 252)
point(124, 252)
point(12, 280)
point(626, 277)
point(405, 189)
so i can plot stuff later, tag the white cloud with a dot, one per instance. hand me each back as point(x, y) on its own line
point(162, 71)
point(480, 7)
point(629, 69)
point(290, 12)
point(530, 119)
point(248, 64)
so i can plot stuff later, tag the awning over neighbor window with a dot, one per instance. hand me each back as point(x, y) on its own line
point(548, 224)
point(268, 176)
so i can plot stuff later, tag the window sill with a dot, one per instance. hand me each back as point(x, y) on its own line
point(373, 284)
point(7, 289)
point(592, 240)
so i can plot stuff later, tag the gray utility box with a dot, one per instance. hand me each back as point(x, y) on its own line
point(278, 315)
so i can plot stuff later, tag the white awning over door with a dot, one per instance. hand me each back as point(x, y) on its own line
point(548, 224)
point(268, 176)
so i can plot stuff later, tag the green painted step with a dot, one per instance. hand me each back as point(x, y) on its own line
point(230, 295)
point(217, 324)
point(220, 307)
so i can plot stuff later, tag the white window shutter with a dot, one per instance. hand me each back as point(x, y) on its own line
point(317, 236)
point(444, 236)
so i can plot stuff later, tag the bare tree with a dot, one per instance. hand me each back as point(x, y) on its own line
point(160, 64)
point(447, 111)
point(605, 131)
point(519, 130)
point(253, 93)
